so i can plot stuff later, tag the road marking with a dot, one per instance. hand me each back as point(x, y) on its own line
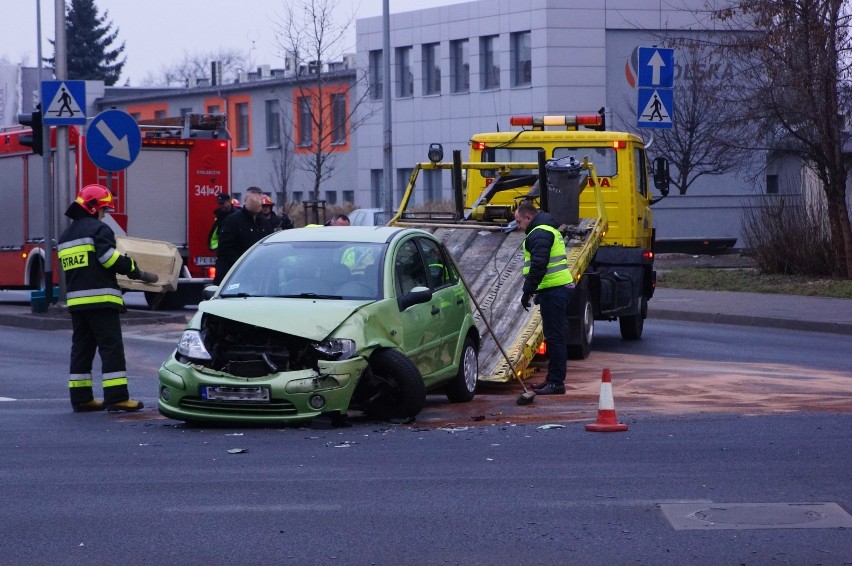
point(7, 399)
point(285, 508)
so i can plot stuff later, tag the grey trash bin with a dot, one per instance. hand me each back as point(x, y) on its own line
point(563, 189)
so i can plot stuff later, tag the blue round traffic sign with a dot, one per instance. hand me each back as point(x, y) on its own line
point(113, 140)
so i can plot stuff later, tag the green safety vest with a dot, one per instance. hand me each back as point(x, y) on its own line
point(557, 272)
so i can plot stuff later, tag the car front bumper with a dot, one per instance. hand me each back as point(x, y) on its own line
point(287, 395)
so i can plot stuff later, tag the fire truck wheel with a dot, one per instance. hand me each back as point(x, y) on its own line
point(394, 387)
point(167, 301)
point(37, 274)
point(463, 386)
point(632, 326)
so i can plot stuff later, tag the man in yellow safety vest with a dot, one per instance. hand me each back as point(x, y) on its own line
point(547, 276)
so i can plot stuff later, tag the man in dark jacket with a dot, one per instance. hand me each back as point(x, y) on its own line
point(88, 257)
point(227, 206)
point(547, 276)
point(240, 231)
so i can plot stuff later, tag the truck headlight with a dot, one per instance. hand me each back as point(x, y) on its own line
point(338, 349)
point(192, 346)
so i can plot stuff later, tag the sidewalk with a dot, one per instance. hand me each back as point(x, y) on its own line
point(793, 312)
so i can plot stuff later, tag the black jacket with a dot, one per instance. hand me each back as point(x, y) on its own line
point(220, 216)
point(538, 245)
point(238, 232)
point(87, 255)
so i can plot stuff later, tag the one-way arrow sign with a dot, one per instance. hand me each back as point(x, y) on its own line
point(656, 67)
point(113, 140)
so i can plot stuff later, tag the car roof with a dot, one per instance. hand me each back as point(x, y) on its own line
point(375, 234)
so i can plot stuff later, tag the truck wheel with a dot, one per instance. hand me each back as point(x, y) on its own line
point(632, 326)
point(396, 390)
point(37, 274)
point(583, 328)
point(463, 386)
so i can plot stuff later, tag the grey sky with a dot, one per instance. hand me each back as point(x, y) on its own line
point(157, 32)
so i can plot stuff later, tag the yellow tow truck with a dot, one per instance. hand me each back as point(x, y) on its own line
point(594, 182)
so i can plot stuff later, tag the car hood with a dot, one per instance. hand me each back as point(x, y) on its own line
point(313, 319)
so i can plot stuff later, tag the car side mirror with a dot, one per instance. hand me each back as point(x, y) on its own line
point(661, 175)
point(208, 292)
point(416, 296)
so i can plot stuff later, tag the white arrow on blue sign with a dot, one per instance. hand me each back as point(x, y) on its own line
point(113, 140)
point(656, 67)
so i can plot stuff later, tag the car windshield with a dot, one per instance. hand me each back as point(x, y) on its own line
point(327, 270)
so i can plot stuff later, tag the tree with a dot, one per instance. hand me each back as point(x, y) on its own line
point(89, 39)
point(309, 33)
point(792, 59)
point(197, 66)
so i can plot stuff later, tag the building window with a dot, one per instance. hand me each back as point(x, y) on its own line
point(306, 125)
point(772, 184)
point(433, 186)
point(460, 65)
point(521, 59)
point(489, 62)
point(242, 125)
point(213, 109)
point(338, 119)
point(404, 74)
point(159, 114)
point(185, 111)
point(331, 197)
point(402, 178)
point(136, 116)
point(377, 187)
point(273, 123)
point(297, 196)
point(432, 68)
point(349, 196)
point(376, 74)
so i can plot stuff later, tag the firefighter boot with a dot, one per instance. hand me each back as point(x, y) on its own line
point(88, 406)
point(128, 406)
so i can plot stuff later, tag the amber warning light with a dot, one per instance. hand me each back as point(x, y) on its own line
point(576, 120)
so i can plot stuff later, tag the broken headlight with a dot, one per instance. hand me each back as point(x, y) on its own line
point(192, 346)
point(337, 349)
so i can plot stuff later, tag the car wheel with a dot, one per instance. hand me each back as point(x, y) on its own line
point(632, 326)
point(463, 386)
point(397, 390)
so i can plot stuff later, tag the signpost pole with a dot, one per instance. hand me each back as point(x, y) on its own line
point(62, 161)
point(49, 229)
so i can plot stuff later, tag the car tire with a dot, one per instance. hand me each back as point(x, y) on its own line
point(397, 388)
point(463, 386)
point(632, 326)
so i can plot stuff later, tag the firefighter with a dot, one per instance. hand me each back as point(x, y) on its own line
point(89, 259)
point(547, 276)
point(227, 206)
point(240, 231)
point(267, 212)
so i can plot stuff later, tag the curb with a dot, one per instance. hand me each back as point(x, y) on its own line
point(62, 321)
point(752, 320)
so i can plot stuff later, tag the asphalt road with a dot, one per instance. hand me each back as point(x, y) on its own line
point(138, 489)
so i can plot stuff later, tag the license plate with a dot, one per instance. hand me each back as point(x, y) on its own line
point(224, 393)
point(205, 260)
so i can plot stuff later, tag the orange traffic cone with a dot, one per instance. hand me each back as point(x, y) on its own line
point(607, 421)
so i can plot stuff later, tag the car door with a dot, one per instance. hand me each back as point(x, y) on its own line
point(421, 335)
point(448, 297)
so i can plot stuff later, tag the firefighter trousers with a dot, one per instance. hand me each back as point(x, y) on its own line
point(97, 330)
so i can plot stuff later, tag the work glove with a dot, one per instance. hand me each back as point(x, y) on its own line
point(525, 301)
point(136, 273)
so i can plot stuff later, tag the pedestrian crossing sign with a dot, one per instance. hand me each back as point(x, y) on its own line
point(656, 108)
point(64, 102)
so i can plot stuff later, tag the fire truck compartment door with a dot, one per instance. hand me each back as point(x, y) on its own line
point(156, 196)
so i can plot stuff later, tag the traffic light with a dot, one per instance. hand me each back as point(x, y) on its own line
point(33, 140)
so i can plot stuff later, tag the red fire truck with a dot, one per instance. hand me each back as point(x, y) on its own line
point(168, 193)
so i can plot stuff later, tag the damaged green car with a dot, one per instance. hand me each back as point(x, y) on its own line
point(315, 322)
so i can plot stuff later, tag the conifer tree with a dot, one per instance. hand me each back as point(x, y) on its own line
point(89, 38)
